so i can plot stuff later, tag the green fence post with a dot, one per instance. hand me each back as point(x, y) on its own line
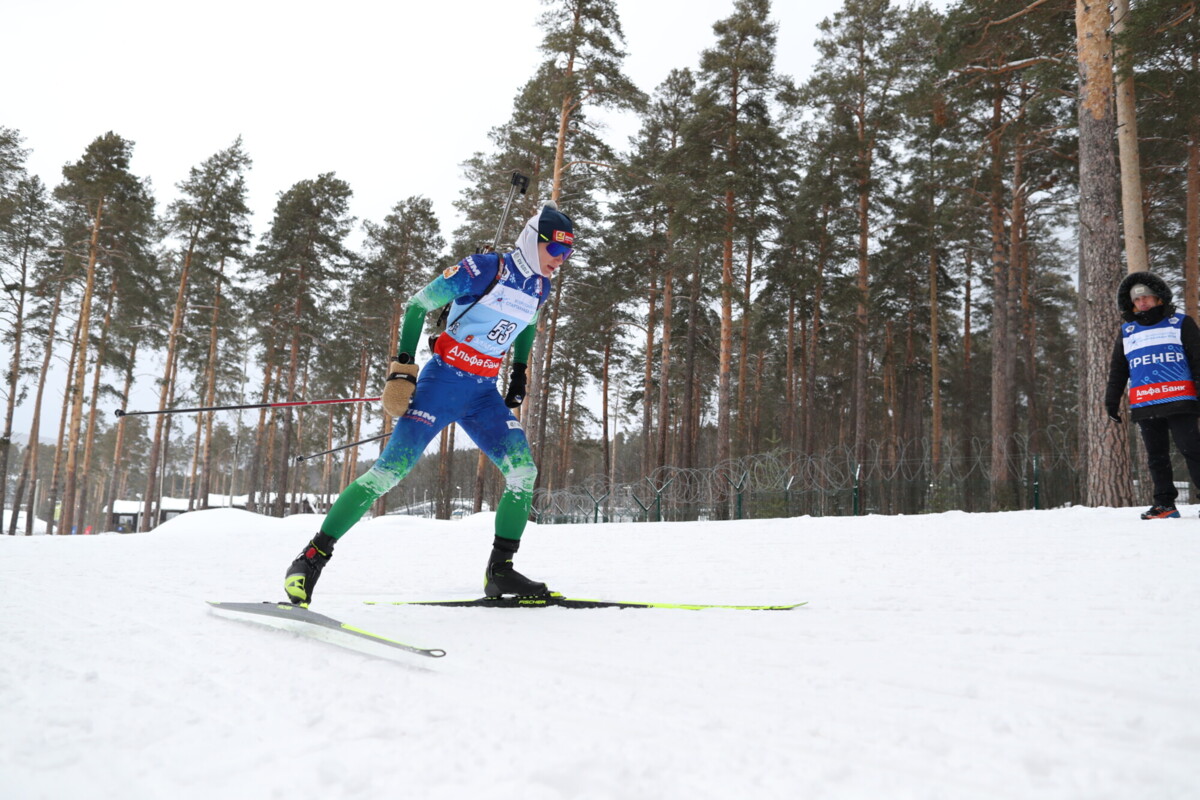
point(596, 504)
point(658, 493)
point(857, 478)
point(645, 508)
point(739, 487)
point(1037, 483)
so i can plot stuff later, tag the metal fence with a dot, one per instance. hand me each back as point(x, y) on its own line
point(892, 478)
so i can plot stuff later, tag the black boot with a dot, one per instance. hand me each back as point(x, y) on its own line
point(303, 573)
point(501, 578)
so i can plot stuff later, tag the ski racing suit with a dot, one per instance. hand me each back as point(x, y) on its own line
point(458, 384)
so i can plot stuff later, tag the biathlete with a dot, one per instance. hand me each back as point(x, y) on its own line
point(495, 299)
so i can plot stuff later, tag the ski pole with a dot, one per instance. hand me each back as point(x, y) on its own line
point(343, 447)
point(519, 182)
point(120, 412)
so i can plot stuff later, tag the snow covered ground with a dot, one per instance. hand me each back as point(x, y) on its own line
point(1051, 654)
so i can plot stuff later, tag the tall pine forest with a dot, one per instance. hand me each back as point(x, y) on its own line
point(886, 286)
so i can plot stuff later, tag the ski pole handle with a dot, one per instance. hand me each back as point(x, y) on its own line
point(520, 182)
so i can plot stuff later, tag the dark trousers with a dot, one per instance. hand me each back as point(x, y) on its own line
point(1156, 435)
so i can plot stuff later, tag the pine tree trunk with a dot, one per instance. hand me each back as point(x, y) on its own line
point(481, 463)
point(60, 449)
point(605, 433)
point(210, 390)
point(253, 486)
point(862, 320)
point(935, 364)
point(743, 427)
point(36, 422)
point(289, 420)
point(568, 105)
point(649, 440)
point(14, 376)
point(1103, 444)
point(1136, 256)
point(1191, 259)
point(19, 490)
point(1020, 314)
point(168, 389)
point(445, 472)
point(192, 490)
point(691, 430)
point(664, 374)
point(1002, 487)
point(350, 465)
point(789, 377)
point(725, 364)
point(969, 404)
point(756, 418)
point(75, 393)
point(543, 358)
point(812, 348)
point(568, 438)
point(111, 492)
point(83, 513)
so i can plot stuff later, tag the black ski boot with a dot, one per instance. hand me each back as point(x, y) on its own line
point(501, 578)
point(303, 573)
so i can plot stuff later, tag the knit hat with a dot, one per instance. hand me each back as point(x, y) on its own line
point(555, 226)
point(549, 226)
point(1140, 289)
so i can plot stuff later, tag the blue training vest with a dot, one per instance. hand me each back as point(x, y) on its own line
point(1158, 367)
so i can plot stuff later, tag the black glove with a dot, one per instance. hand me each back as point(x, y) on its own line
point(516, 387)
point(1114, 411)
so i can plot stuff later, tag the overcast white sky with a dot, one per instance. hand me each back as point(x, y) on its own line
point(390, 96)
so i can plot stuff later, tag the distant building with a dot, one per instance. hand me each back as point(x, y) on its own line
point(126, 515)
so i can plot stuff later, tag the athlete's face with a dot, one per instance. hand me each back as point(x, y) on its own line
point(547, 263)
point(1145, 302)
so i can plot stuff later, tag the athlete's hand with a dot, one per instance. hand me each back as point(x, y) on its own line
point(516, 387)
point(400, 385)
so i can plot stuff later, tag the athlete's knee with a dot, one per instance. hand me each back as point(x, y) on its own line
point(379, 479)
point(521, 478)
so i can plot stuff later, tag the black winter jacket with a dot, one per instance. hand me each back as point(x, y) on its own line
point(1118, 367)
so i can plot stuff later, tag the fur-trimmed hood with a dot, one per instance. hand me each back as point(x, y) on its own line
point(1155, 284)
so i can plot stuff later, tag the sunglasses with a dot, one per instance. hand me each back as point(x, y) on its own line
point(556, 249)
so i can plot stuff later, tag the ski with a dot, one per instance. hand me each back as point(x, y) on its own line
point(301, 620)
point(556, 600)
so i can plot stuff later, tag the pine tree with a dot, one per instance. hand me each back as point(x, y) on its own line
point(211, 209)
point(1007, 68)
point(584, 42)
point(101, 187)
point(855, 83)
point(300, 267)
point(644, 224)
point(1106, 459)
point(24, 240)
point(403, 254)
point(737, 86)
point(1162, 39)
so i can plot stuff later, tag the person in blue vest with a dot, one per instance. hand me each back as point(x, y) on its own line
point(494, 302)
point(1157, 354)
